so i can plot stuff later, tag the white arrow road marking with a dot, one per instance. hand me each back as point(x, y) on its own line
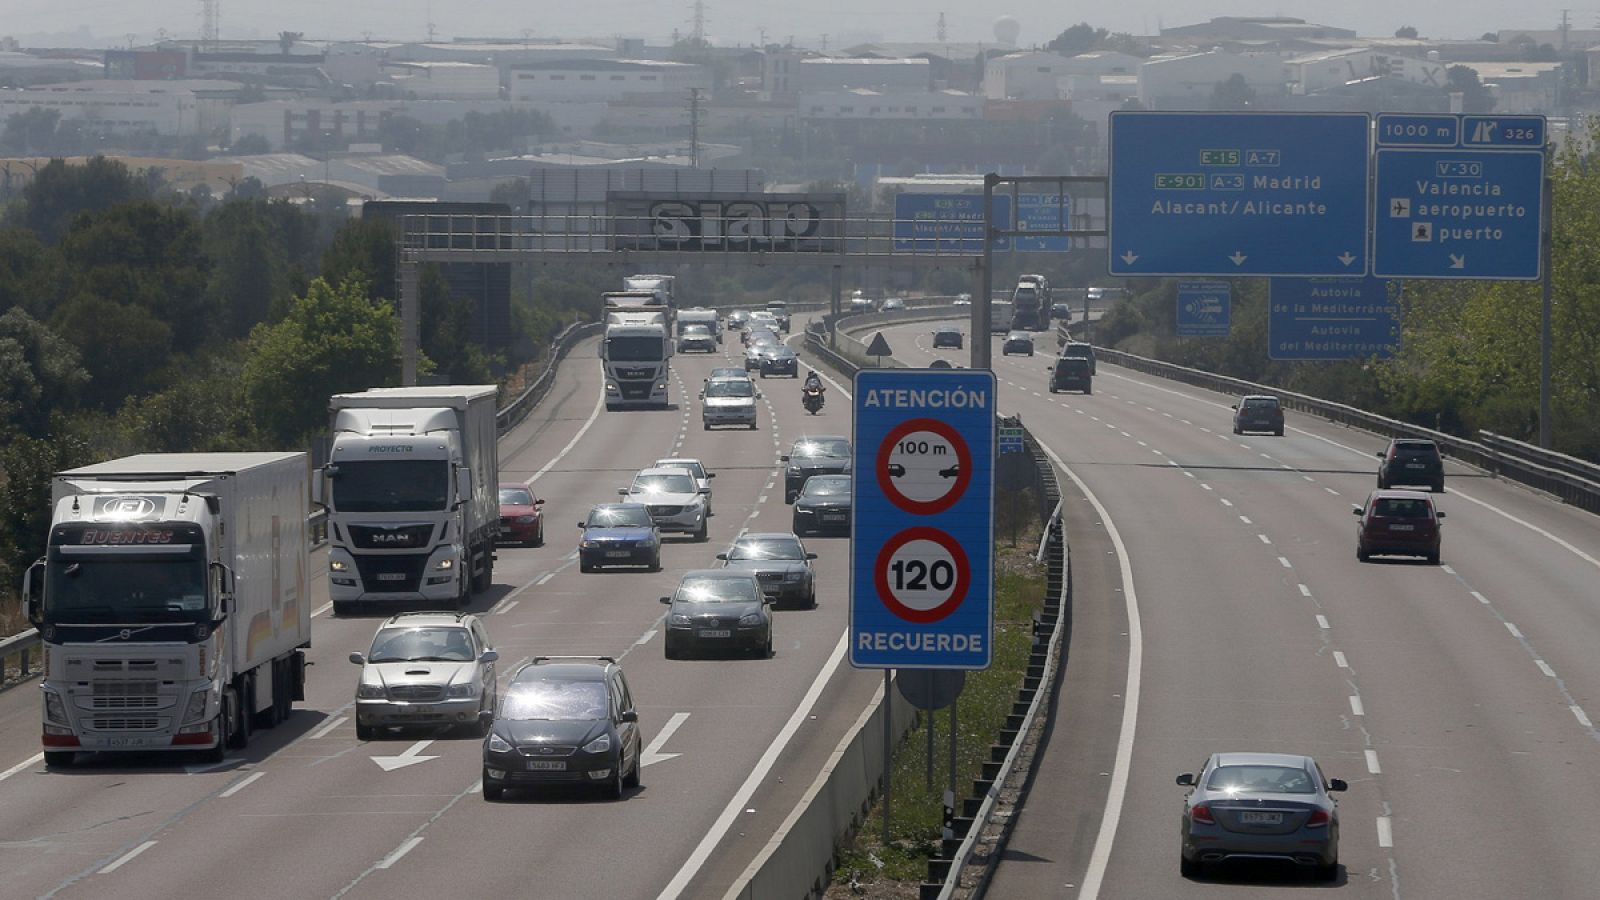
point(407, 758)
point(652, 753)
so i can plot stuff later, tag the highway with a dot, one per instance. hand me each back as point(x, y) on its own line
point(309, 811)
point(1219, 606)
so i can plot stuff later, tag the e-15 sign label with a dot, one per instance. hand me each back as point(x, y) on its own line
point(1219, 157)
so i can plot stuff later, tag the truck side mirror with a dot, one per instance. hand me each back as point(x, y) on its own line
point(463, 484)
point(33, 592)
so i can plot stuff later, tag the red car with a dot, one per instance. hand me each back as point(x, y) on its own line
point(1403, 523)
point(521, 516)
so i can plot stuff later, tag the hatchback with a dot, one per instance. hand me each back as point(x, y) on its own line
point(1401, 523)
point(1252, 806)
point(781, 563)
point(718, 610)
point(1411, 461)
point(426, 668)
point(1017, 342)
point(521, 515)
point(565, 720)
point(1071, 373)
point(1258, 413)
point(1081, 350)
point(947, 337)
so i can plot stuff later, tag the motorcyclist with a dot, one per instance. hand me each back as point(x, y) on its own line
point(813, 382)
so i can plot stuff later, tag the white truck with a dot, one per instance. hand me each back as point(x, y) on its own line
point(700, 316)
point(173, 602)
point(412, 491)
point(661, 284)
point(637, 360)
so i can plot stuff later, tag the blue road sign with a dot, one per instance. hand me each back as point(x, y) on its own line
point(1331, 318)
point(1043, 212)
point(1205, 308)
point(945, 223)
point(922, 534)
point(1238, 193)
point(1459, 197)
point(1011, 439)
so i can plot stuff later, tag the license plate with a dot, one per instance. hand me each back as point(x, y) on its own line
point(391, 576)
point(547, 765)
point(715, 633)
point(617, 554)
point(1416, 466)
point(834, 518)
point(1261, 818)
point(125, 743)
point(1402, 528)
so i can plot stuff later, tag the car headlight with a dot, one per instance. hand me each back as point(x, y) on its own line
point(498, 744)
point(444, 565)
point(611, 387)
point(600, 744)
point(794, 470)
point(750, 619)
point(525, 520)
point(588, 545)
point(794, 576)
point(463, 690)
point(338, 565)
point(196, 710)
point(803, 510)
point(678, 619)
point(370, 692)
point(55, 710)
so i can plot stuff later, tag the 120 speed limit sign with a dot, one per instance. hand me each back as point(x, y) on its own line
point(922, 574)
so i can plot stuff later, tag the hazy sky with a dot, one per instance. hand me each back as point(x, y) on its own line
point(729, 22)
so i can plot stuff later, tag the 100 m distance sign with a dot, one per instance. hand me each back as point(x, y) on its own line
point(921, 571)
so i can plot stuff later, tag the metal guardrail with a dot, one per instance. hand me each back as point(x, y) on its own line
point(1501, 457)
point(518, 409)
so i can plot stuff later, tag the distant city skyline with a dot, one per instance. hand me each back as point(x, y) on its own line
point(101, 23)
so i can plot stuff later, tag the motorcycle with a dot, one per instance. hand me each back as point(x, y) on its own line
point(812, 398)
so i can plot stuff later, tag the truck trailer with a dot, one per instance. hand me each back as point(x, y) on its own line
point(412, 490)
point(173, 602)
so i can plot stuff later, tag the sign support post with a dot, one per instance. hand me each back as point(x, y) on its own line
point(982, 315)
point(1546, 289)
point(888, 756)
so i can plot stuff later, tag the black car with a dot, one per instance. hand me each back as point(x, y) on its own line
point(1412, 461)
point(1258, 412)
point(947, 337)
point(1071, 373)
point(1017, 342)
point(823, 506)
point(780, 360)
point(780, 562)
point(718, 610)
point(820, 455)
point(564, 720)
point(780, 311)
point(1083, 350)
point(619, 534)
point(1061, 311)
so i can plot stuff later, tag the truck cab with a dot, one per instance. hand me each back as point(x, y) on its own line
point(637, 360)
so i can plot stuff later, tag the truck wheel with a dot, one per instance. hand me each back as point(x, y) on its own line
point(365, 732)
point(243, 715)
point(341, 608)
point(59, 759)
point(484, 579)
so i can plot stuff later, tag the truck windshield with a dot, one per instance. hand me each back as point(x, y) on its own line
point(125, 589)
point(634, 349)
point(392, 485)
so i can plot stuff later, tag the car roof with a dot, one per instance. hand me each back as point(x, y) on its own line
point(667, 462)
point(659, 470)
point(716, 573)
point(1399, 494)
point(564, 670)
point(820, 437)
point(1291, 760)
point(946, 328)
point(1019, 334)
point(426, 619)
point(765, 536)
point(622, 505)
point(1272, 397)
point(1413, 442)
point(504, 485)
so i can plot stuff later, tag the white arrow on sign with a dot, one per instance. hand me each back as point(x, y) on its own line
point(1238, 258)
point(1129, 257)
point(408, 757)
point(1458, 262)
point(652, 754)
point(1347, 258)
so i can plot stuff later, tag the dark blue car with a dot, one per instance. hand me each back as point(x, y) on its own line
point(619, 534)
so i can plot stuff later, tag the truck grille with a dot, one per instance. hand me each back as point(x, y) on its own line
point(416, 693)
point(635, 390)
point(126, 724)
point(404, 573)
point(369, 537)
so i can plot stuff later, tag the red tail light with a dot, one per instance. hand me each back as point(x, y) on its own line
point(1202, 813)
point(1319, 818)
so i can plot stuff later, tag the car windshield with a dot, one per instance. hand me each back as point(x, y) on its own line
point(1018, 336)
point(556, 701)
point(781, 351)
point(1400, 508)
point(395, 485)
point(763, 338)
point(826, 487)
point(696, 331)
point(634, 349)
point(688, 465)
point(619, 517)
point(516, 497)
point(1260, 780)
point(767, 548)
point(436, 644)
point(707, 589)
point(731, 388)
point(154, 588)
point(664, 483)
point(947, 332)
point(814, 448)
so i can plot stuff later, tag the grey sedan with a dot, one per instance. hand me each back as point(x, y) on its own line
point(780, 563)
point(717, 610)
point(1249, 806)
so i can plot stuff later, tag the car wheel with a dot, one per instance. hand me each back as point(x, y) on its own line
point(1188, 868)
point(1237, 430)
point(703, 533)
point(491, 792)
point(1381, 485)
point(1438, 487)
point(615, 787)
point(1326, 873)
point(341, 608)
point(1433, 558)
point(752, 426)
point(634, 778)
point(811, 601)
point(1362, 555)
point(365, 732)
point(1087, 391)
point(1278, 432)
point(538, 539)
point(669, 651)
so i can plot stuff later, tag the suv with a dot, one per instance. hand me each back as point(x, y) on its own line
point(1411, 461)
point(1082, 351)
point(947, 337)
point(1258, 413)
point(780, 311)
point(1398, 522)
point(426, 668)
point(565, 720)
point(1071, 373)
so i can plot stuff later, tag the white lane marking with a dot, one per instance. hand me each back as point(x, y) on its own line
point(1447, 570)
point(1356, 708)
point(328, 726)
point(1305, 591)
point(1117, 792)
point(395, 855)
point(645, 638)
point(1372, 763)
point(1339, 658)
point(1205, 486)
point(1246, 520)
point(762, 499)
point(1385, 832)
point(652, 754)
point(1481, 598)
point(321, 609)
point(1143, 444)
point(1513, 629)
point(545, 578)
point(507, 608)
point(599, 404)
point(1322, 622)
point(1331, 491)
point(22, 766)
point(1225, 501)
point(1188, 474)
point(1545, 667)
point(126, 858)
point(406, 757)
point(1582, 719)
point(736, 805)
point(1308, 478)
point(1264, 539)
point(1284, 561)
point(248, 780)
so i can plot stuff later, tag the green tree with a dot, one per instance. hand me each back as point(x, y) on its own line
point(1406, 31)
point(26, 465)
point(1475, 98)
point(148, 255)
point(60, 192)
point(203, 412)
point(124, 347)
point(334, 339)
point(1233, 93)
point(446, 330)
point(249, 277)
point(1080, 38)
point(364, 248)
point(31, 273)
point(31, 131)
point(39, 373)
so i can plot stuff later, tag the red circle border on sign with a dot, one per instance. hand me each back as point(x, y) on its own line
point(963, 460)
point(880, 574)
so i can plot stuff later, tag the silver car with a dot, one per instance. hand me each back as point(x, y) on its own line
point(675, 500)
point(781, 564)
point(1248, 806)
point(729, 401)
point(702, 477)
point(426, 668)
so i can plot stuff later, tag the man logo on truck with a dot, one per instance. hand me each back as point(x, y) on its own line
point(124, 508)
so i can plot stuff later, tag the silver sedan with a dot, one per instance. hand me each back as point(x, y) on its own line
point(1272, 806)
